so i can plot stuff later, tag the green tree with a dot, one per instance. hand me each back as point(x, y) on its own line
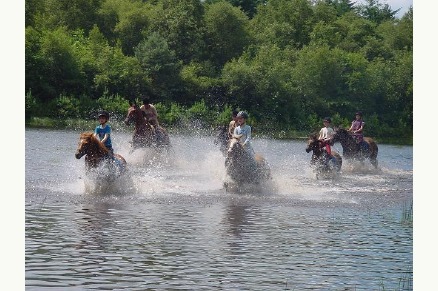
point(331, 81)
point(107, 69)
point(159, 63)
point(352, 32)
point(259, 82)
point(132, 25)
point(180, 23)
point(341, 6)
point(33, 8)
point(226, 32)
point(376, 12)
point(284, 23)
point(52, 67)
point(71, 14)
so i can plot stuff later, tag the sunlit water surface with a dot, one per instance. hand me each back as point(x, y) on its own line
point(169, 224)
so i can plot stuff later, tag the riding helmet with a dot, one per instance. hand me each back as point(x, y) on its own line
point(104, 113)
point(359, 113)
point(328, 119)
point(242, 114)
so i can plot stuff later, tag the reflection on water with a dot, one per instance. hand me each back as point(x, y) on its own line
point(172, 226)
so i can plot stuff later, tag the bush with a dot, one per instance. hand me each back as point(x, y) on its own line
point(116, 105)
point(64, 107)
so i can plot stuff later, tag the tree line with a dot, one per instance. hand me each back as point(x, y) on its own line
point(288, 63)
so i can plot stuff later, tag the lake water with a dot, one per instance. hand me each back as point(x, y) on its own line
point(170, 224)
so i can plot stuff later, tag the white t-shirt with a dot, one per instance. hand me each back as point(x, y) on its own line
point(325, 133)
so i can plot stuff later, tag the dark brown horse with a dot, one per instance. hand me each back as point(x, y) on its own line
point(144, 133)
point(367, 149)
point(244, 168)
point(98, 157)
point(324, 164)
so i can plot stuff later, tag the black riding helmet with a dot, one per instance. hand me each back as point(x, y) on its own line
point(242, 114)
point(328, 119)
point(103, 113)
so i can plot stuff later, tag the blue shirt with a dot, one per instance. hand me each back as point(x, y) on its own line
point(245, 131)
point(101, 131)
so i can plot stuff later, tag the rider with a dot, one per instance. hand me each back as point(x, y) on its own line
point(356, 128)
point(149, 112)
point(326, 135)
point(103, 131)
point(233, 123)
point(243, 132)
point(151, 115)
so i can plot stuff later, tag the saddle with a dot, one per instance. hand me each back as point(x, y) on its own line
point(363, 146)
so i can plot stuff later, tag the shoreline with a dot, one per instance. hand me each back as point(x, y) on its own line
point(89, 125)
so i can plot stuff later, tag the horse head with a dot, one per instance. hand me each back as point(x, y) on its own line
point(83, 145)
point(131, 114)
point(313, 144)
point(92, 148)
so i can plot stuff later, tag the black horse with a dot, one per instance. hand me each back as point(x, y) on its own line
point(244, 168)
point(366, 149)
point(323, 163)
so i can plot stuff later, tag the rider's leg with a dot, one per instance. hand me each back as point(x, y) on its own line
point(328, 149)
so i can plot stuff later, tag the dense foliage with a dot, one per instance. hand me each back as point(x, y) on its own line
point(287, 62)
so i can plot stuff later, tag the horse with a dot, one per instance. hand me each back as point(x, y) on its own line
point(366, 149)
point(98, 158)
point(144, 133)
point(323, 163)
point(244, 168)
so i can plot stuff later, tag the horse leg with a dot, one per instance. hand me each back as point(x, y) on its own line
point(374, 162)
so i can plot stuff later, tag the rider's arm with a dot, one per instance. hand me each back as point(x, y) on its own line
point(248, 135)
point(359, 130)
point(236, 133)
point(105, 137)
point(154, 110)
point(321, 134)
point(231, 128)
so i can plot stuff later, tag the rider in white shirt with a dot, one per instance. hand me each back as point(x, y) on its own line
point(243, 132)
point(326, 134)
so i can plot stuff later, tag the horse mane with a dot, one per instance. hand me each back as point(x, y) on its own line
point(313, 136)
point(91, 139)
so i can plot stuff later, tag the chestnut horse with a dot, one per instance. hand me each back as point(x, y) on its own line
point(242, 167)
point(144, 133)
point(323, 163)
point(97, 156)
point(367, 149)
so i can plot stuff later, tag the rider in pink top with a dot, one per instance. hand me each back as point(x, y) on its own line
point(356, 127)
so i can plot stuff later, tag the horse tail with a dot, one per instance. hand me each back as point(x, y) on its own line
point(374, 150)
